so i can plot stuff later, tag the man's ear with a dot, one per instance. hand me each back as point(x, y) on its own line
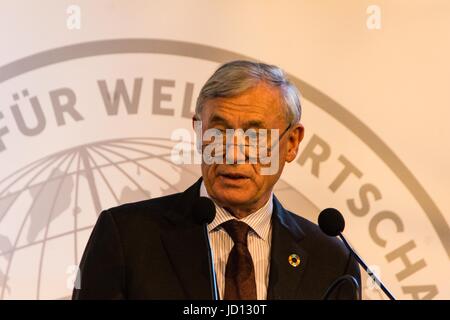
point(295, 137)
point(197, 126)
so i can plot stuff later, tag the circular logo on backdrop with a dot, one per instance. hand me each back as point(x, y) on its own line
point(89, 126)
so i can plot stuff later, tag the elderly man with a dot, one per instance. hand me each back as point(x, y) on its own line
point(154, 249)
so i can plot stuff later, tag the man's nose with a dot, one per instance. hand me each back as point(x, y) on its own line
point(235, 153)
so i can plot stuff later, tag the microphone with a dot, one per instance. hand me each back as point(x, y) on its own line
point(204, 212)
point(332, 223)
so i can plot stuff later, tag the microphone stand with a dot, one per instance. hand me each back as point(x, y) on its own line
point(212, 273)
point(366, 268)
point(338, 282)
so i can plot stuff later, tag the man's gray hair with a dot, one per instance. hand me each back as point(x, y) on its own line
point(235, 77)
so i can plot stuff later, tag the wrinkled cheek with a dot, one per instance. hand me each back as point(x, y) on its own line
point(207, 171)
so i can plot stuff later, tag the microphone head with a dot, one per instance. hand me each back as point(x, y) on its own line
point(331, 222)
point(203, 210)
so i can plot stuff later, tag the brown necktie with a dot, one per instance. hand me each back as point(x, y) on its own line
point(240, 281)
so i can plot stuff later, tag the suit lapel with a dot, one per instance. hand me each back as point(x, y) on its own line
point(186, 247)
point(285, 278)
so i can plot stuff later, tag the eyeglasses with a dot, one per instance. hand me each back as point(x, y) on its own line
point(259, 143)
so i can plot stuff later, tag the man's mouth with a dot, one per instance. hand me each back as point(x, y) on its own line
point(233, 176)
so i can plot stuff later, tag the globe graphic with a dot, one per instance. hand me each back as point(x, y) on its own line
point(49, 207)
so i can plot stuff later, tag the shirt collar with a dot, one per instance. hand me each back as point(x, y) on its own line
point(259, 220)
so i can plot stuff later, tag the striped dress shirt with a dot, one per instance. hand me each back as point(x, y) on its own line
point(259, 242)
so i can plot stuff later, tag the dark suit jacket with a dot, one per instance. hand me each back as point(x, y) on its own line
point(153, 250)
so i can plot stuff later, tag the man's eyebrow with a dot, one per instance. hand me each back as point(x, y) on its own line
point(254, 124)
point(217, 119)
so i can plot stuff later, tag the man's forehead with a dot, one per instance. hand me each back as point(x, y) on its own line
point(233, 104)
point(258, 106)
point(242, 116)
point(260, 95)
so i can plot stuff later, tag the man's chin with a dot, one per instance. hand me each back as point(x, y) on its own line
point(232, 198)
